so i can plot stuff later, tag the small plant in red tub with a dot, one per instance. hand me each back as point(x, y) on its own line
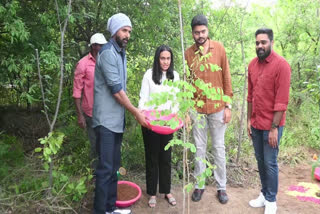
point(163, 123)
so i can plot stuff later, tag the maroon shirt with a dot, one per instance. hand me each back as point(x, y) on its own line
point(83, 83)
point(268, 89)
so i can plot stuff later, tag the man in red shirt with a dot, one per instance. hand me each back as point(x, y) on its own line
point(83, 89)
point(268, 97)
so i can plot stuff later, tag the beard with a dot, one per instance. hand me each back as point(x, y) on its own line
point(263, 53)
point(201, 41)
point(122, 42)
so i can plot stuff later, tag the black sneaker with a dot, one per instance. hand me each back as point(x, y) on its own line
point(222, 196)
point(197, 194)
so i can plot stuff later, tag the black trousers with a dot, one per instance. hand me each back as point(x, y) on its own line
point(158, 161)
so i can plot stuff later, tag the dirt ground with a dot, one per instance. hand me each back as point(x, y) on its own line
point(238, 198)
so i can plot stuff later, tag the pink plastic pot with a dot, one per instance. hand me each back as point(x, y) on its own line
point(162, 129)
point(317, 173)
point(128, 203)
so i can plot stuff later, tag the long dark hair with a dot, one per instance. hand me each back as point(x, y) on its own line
point(156, 70)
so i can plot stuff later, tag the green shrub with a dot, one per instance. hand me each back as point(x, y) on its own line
point(302, 126)
point(11, 154)
point(132, 149)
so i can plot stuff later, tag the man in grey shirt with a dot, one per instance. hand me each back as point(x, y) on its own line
point(110, 102)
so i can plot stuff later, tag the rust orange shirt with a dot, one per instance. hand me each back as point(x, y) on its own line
point(220, 79)
point(268, 89)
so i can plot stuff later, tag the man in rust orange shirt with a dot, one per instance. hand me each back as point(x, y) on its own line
point(268, 97)
point(215, 113)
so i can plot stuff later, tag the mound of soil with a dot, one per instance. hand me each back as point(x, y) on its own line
point(126, 192)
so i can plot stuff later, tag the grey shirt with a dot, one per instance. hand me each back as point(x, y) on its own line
point(110, 77)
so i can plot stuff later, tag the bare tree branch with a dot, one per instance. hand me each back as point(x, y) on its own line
point(57, 9)
point(42, 91)
point(244, 87)
point(63, 30)
point(221, 20)
point(61, 64)
point(185, 151)
point(99, 3)
point(311, 37)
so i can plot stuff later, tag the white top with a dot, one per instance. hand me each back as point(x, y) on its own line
point(149, 87)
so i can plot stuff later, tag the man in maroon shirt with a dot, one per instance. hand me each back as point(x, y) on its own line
point(268, 96)
point(83, 83)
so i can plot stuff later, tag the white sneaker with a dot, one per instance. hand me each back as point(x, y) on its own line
point(258, 202)
point(271, 208)
point(123, 211)
point(120, 211)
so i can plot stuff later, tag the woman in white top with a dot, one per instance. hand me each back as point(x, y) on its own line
point(158, 161)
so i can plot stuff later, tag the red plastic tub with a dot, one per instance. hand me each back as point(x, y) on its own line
point(317, 173)
point(162, 129)
point(122, 204)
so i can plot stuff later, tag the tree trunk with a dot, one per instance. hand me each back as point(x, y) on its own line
point(52, 123)
point(242, 116)
point(185, 151)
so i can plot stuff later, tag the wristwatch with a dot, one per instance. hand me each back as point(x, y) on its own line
point(229, 106)
point(274, 126)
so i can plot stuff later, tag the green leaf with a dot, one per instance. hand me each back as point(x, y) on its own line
point(208, 172)
point(200, 103)
point(64, 178)
point(201, 183)
point(46, 166)
point(42, 141)
point(38, 149)
point(214, 67)
point(16, 188)
point(71, 186)
point(47, 151)
point(202, 67)
point(188, 187)
point(193, 149)
point(227, 99)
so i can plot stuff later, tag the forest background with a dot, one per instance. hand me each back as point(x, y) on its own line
point(29, 25)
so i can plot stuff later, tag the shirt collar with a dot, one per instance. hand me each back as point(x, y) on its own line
point(270, 57)
point(91, 57)
point(211, 45)
point(115, 44)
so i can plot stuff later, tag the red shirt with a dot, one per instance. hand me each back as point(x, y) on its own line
point(268, 89)
point(83, 83)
